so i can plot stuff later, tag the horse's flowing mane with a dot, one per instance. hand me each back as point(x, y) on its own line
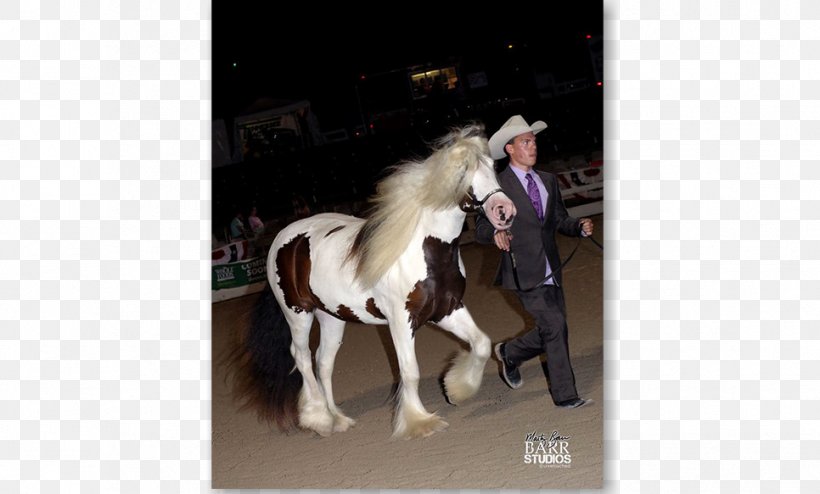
point(436, 183)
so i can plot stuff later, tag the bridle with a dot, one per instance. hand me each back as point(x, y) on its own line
point(471, 204)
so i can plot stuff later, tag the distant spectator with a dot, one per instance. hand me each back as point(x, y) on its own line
point(238, 227)
point(256, 224)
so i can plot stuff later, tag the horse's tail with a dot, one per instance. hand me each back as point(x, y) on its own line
point(266, 376)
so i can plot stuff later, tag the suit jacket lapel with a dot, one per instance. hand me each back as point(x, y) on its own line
point(550, 196)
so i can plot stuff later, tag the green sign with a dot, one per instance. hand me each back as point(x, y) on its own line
point(238, 273)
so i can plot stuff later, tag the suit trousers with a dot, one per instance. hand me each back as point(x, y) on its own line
point(550, 337)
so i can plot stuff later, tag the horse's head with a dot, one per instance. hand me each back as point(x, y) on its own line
point(478, 189)
point(485, 196)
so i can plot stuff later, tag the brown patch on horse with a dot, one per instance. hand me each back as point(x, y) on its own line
point(469, 203)
point(358, 252)
point(345, 313)
point(334, 230)
point(293, 265)
point(437, 296)
point(358, 242)
point(374, 311)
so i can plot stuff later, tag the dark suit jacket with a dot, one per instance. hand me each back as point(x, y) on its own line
point(532, 241)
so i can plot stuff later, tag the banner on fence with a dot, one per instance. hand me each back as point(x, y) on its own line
point(238, 274)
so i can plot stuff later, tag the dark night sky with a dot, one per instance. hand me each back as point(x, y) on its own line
point(289, 53)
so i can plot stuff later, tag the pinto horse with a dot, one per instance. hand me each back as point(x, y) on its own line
point(399, 267)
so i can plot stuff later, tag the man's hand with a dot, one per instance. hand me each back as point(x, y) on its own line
point(502, 240)
point(586, 226)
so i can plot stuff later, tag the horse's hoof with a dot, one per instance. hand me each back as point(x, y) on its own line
point(463, 379)
point(458, 389)
point(422, 428)
point(342, 423)
point(320, 423)
point(322, 431)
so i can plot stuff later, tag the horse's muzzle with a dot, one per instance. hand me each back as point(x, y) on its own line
point(500, 211)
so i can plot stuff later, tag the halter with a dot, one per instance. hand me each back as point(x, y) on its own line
point(471, 204)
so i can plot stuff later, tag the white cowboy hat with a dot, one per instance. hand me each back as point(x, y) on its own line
point(513, 127)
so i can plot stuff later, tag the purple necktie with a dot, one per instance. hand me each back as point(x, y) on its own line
point(535, 197)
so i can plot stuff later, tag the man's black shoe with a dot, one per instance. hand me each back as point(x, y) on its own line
point(509, 372)
point(573, 403)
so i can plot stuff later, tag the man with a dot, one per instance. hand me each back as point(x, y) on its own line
point(541, 213)
point(256, 224)
point(238, 226)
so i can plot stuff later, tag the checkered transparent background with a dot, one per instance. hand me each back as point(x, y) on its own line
point(713, 249)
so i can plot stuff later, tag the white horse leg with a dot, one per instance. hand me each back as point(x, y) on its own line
point(313, 412)
point(464, 377)
point(332, 331)
point(411, 420)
